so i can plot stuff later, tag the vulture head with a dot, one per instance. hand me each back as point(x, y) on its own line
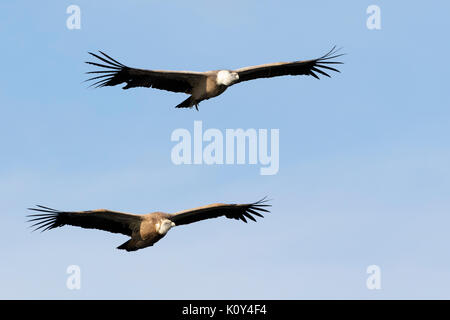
point(226, 77)
point(165, 226)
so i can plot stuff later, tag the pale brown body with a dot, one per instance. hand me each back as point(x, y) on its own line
point(146, 232)
point(207, 87)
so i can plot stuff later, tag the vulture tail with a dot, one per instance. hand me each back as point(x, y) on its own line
point(188, 103)
point(127, 246)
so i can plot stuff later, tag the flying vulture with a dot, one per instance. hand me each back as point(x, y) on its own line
point(203, 85)
point(144, 229)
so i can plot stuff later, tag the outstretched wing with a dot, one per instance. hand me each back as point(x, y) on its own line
point(231, 211)
point(112, 221)
point(307, 67)
point(117, 73)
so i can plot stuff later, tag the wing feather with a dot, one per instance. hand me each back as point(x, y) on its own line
point(307, 67)
point(102, 219)
point(231, 211)
point(175, 81)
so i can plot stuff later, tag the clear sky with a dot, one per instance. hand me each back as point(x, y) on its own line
point(364, 174)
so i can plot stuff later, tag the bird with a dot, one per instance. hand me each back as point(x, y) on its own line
point(202, 85)
point(144, 229)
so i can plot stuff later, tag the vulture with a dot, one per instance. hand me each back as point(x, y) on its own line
point(202, 85)
point(144, 229)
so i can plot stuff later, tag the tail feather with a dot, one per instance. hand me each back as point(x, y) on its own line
point(188, 103)
point(127, 246)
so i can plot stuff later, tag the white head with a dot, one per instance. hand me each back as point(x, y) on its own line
point(165, 226)
point(225, 77)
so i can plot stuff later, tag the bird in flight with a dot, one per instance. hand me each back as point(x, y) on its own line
point(144, 229)
point(203, 85)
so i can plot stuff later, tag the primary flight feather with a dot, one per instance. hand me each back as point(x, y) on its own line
point(203, 85)
point(144, 229)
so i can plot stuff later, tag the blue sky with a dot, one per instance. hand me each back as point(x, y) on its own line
point(364, 172)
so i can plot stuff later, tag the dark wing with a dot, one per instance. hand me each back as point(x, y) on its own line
point(231, 211)
point(117, 73)
point(112, 221)
point(307, 67)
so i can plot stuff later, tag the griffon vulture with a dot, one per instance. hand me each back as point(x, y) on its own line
point(144, 229)
point(203, 85)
